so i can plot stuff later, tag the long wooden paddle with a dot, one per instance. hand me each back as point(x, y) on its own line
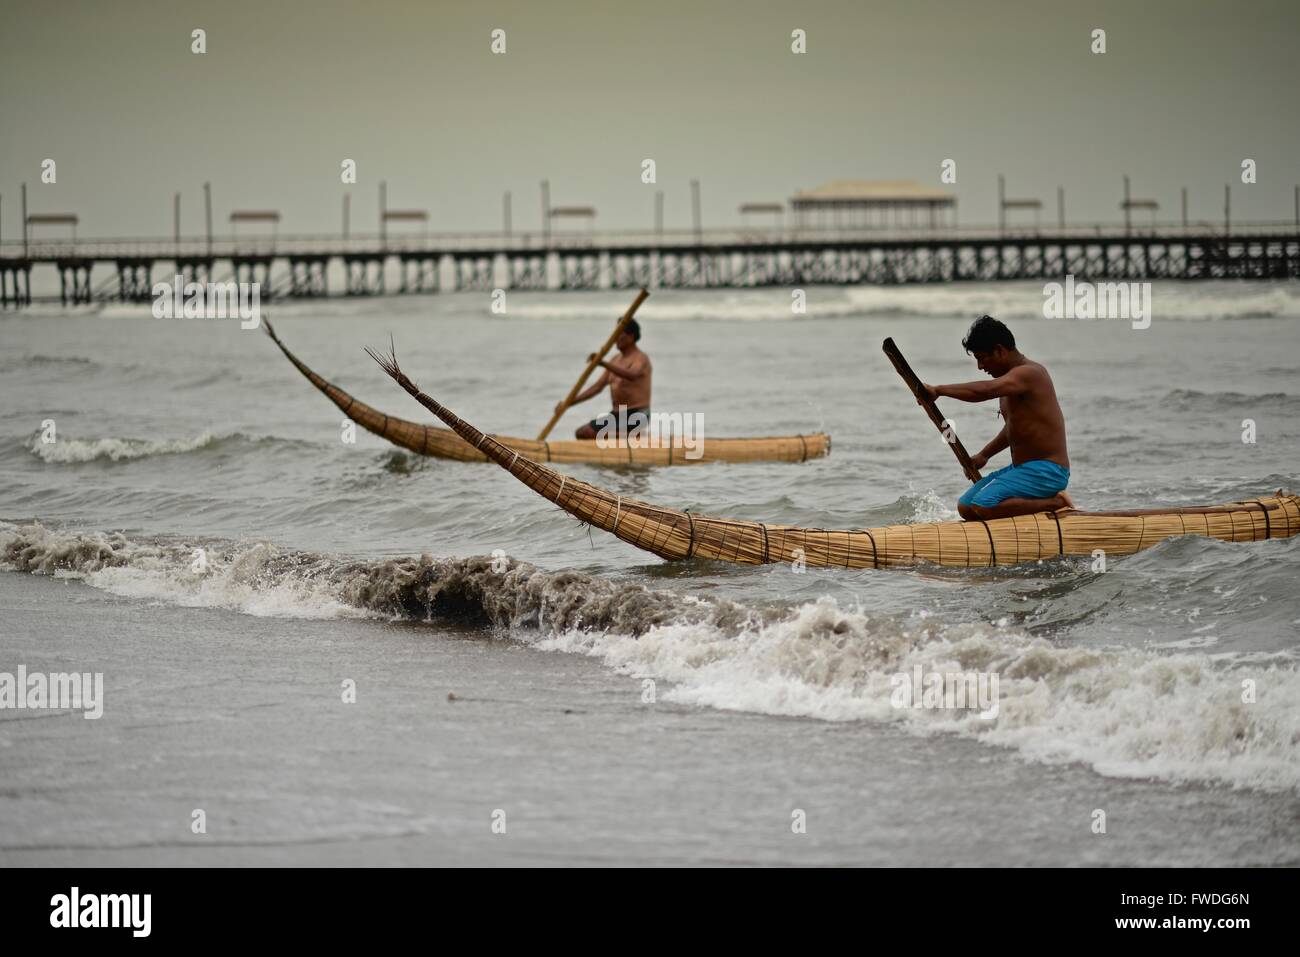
point(931, 409)
point(582, 379)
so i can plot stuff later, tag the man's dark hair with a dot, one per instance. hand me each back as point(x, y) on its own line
point(634, 329)
point(986, 334)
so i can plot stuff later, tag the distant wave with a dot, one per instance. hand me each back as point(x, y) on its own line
point(1024, 300)
point(13, 363)
point(1212, 300)
point(1125, 713)
point(1191, 398)
point(71, 451)
point(1011, 299)
point(76, 451)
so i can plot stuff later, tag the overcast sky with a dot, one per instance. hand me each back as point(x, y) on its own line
point(410, 90)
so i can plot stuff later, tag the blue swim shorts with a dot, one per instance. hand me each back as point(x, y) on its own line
point(1037, 479)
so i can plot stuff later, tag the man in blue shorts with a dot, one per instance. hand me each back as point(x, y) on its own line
point(1035, 480)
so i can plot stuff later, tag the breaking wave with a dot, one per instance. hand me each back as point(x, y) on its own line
point(1131, 713)
point(70, 451)
point(1007, 300)
point(66, 451)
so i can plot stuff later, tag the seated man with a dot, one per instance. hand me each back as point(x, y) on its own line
point(1035, 480)
point(629, 388)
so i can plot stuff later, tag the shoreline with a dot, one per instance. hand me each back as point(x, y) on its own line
point(585, 773)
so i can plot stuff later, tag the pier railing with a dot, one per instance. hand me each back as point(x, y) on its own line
point(434, 244)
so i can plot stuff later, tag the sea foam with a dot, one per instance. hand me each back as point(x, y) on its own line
point(1182, 716)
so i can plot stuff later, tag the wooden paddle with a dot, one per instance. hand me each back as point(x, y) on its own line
point(582, 379)
point(931, 409)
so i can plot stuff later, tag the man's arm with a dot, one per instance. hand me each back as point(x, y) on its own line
point(630, 373)
point(996, 445)
point(1015, 382)
point(587, 393)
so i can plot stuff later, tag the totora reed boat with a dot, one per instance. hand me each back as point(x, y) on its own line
point(446, 444)
point(674, 534)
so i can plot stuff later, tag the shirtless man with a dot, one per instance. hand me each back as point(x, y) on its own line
point(628, 379)
point(1035, 480)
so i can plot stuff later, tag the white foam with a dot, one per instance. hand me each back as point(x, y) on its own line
point(1177, 716)
point(1006, 300)
point(246, 579)
point(69, 451)
point(1024, 300)
point(929, 507)
point(1122, 712)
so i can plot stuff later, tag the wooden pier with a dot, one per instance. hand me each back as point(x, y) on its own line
point(302, 267)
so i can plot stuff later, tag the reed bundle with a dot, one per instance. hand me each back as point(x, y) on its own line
point(668, 450)
point(673, 534)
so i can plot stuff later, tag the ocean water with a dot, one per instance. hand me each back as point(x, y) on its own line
point(617, 708)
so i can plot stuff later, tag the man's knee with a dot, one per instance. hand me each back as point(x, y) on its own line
point(585, 432)
point(971, 513)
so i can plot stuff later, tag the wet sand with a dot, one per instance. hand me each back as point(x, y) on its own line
point(242, 716)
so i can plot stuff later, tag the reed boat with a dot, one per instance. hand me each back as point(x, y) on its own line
point(446, 444)
point(673, 534)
